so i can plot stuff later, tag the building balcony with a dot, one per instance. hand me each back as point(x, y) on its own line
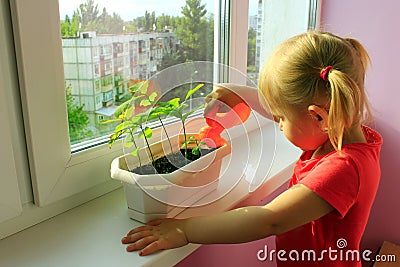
point(106, 88)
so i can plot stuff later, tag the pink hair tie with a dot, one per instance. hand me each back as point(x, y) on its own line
point(324, 73)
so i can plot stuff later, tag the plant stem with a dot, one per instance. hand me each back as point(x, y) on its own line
point(162, 124)
point(148, 145)
point(134, 143)
point(165, 131)
point(184, 136)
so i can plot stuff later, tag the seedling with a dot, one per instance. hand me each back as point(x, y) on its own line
point(131, 123)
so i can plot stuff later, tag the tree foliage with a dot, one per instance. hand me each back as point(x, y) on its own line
point(88, 18)
point(70, 27)
point(251, 51)
point(192, 28)
point(78, 120)
point(88, 13)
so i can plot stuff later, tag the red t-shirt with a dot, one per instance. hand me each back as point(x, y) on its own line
point(348, 182)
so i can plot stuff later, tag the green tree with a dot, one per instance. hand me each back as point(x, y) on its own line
point(251, 51)
point(149, 21)
point(107, 24)
point(190, 29)
point(206, 50)
point(69, 28)
point(171, 58)
point(88, 13)
point(164, 22)
point(77, 118)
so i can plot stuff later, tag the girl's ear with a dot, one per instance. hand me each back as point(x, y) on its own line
point(320, 115)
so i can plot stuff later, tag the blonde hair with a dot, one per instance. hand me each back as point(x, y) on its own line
point(291, 80)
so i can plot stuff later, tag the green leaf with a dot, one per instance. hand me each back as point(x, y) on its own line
point(129, 137)
point(135, 152)
point(158, 111)
point(191, 139)
point(128, 144)
point(152, 96)
point(171, 103)
point(145, 103)
point(147, 132)
point(110, 121)
point(153, 116)
point(185, 116)
point(136, 87)
point(176, 113)
point(135, 98)
point(196, 151)
point(129, 112)
point(203, 144)
point(125, 126)
point(192, 91)
point(179, 109)
point(144, 87)
point(121, 108)
point(113, 138)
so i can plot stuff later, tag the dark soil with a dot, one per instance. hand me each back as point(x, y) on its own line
point(171, 162)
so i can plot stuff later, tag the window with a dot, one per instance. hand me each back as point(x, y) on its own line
point(10, 201)
point(265, 30)
point(91, 25)
point(45, 64)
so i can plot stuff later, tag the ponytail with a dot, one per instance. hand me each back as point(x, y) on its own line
point(345, 104)
point(365, 62)
point(362, 53)
point(349, 104)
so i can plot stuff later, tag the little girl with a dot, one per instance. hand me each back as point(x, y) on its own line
point(314, 87)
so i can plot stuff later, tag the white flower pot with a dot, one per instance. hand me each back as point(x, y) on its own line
point(156, 196)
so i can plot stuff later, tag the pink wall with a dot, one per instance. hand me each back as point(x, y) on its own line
point(376, 25)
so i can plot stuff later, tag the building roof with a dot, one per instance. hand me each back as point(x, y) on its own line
point(108, 111)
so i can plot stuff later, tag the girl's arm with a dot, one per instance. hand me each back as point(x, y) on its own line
point(232, 94)
point(293, 208)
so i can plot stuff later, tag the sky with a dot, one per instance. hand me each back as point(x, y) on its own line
point(129, 9)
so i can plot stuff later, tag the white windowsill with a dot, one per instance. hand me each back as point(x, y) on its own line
point(90, 234)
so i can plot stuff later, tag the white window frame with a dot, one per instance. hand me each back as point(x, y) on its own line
point(56, 173)
point(239, 35)
point(10, 200)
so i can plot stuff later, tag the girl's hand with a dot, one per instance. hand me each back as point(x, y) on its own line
point(156, 235)
point(224, 97)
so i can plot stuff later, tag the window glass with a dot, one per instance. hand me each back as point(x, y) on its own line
point(270, 23)
point(108, 46)
point(254, 40)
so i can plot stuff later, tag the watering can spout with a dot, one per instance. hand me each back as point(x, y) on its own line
point(217, 122)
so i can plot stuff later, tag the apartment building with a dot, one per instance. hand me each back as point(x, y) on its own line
point(99, 67)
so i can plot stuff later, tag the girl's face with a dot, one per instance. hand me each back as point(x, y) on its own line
point(303, 129)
